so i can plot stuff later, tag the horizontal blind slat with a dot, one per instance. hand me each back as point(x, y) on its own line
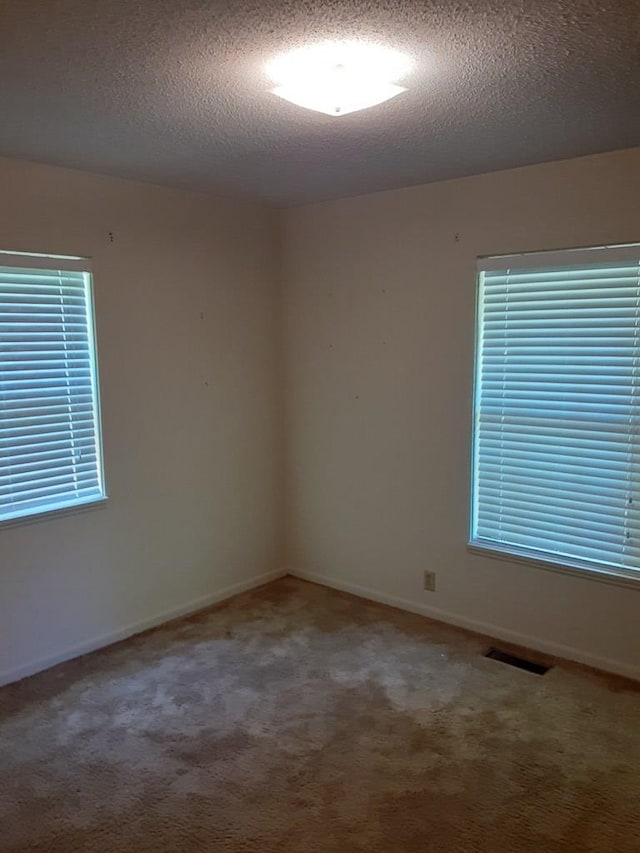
point(32, 475)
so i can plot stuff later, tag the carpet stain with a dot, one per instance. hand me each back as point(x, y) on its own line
point(302, 720)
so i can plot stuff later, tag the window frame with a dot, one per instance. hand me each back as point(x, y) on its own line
point(67, 263)
point(572, 566)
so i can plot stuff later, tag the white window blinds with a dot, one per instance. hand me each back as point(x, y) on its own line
point(556, 434)
point(50, 455)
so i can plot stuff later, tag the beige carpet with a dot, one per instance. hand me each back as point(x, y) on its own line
point(295, 718)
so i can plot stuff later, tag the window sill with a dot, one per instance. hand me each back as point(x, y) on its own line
point(604, 574)
point(32, 518)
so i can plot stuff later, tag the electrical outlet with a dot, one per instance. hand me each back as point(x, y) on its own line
point(430, 581)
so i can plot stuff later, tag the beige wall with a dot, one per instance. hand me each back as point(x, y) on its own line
point(185, 305)
point(378, 297)
point(379, 303)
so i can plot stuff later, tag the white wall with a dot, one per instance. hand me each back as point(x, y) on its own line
point(186, 319)
point(379, 313)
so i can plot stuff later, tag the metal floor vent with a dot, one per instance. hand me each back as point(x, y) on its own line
point(514, 660)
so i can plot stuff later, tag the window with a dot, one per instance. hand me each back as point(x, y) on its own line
point(556, 459)
point(50, 454)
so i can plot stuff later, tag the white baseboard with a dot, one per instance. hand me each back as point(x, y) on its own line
point(507, 635)
point(545, 646)
point(122, 633)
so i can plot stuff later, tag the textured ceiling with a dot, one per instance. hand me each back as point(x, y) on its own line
point(174, 91)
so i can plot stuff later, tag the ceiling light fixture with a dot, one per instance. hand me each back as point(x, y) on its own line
point(337, 78)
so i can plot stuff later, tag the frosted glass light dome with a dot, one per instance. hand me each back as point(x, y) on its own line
point(338, 78)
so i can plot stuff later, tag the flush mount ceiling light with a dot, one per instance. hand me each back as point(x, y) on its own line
point(337, 78)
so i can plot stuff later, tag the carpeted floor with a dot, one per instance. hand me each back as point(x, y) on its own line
point(295, 718)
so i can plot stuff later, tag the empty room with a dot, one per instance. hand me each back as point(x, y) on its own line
point(319, 426)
